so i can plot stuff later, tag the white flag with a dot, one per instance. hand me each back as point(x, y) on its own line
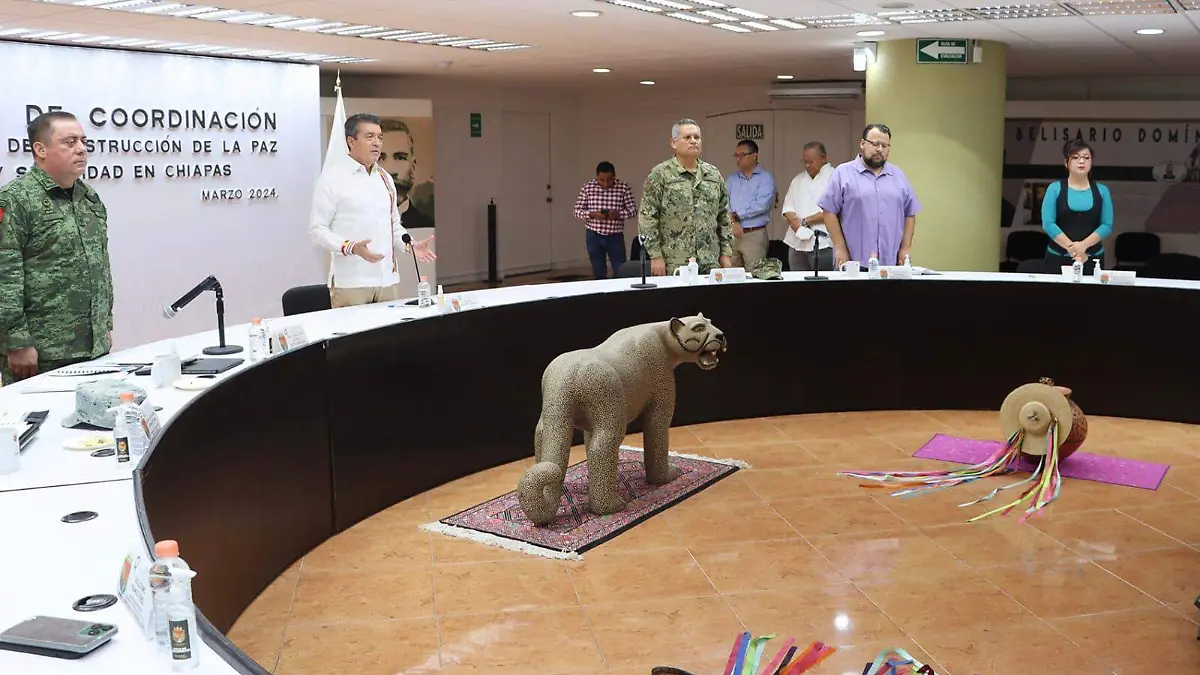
point(337, 153)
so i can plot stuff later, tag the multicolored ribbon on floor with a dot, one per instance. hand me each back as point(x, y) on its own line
point(746, 655)
point(1046, 478)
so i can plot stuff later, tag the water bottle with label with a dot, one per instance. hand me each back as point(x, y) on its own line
point(260, 341)
point(181, 624)
point(121, 439)
point(693, 270)
point(1076, 271)
point(424, 298)
point(166, 556)
point(130, 414)
point(873, 267)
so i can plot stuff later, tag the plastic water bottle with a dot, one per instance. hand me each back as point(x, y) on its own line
point(182, 631)
point(121, 438)
point(130, 415)
point(260, 341)
point(166, 555)
point(908, 261)
point(873, 267)
point(1076, 271)
point(424, 298)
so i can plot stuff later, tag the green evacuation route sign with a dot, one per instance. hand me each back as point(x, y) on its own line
point(934, 50)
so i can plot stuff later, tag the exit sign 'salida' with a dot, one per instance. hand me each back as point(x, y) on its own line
point(937, 50)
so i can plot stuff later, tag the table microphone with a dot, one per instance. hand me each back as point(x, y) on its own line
point(172, 309)
point(816, 257)
point(407, 239)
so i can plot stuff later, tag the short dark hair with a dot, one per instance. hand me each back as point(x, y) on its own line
point(1076, 146)
point(878, 127)
point(354, 120)
point(749, 144)
point(39, 129)
point(819, 146)
point(605, 167)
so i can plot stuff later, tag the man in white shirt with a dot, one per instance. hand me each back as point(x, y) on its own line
point(804, 216)
point(354, 205)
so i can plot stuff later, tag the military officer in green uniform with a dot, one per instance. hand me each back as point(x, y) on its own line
point(56, 293)
point(685, 208)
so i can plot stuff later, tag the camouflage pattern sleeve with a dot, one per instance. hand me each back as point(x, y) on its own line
point(650, 213)
point(724, 223)
point(97, 220)
point(14, 231)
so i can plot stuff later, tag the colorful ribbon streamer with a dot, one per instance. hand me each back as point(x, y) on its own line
point(1046, 478)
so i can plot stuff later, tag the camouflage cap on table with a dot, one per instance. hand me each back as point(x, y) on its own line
point(94, 402)
point(767, 268)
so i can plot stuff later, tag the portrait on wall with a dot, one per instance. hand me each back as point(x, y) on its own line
point(409, 157)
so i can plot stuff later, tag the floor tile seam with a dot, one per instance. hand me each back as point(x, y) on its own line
point(287, 619)
point(587, 617)
point(437, 621)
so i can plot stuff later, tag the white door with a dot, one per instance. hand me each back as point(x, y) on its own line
point(523, 208)
point(795, 128)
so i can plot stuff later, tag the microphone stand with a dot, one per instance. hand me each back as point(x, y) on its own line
point(816, 257)
point(644, 284)
point(221, 349)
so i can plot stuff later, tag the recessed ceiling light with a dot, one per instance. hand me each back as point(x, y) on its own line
point(784, 77)
point(895, 5)
point(869, 33)
point(601, 70)
point(214, 14)
point(585, 14)
point(1150, 31)
point(647, 82)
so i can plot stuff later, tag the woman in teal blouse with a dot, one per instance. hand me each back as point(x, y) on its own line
point(1077, 212)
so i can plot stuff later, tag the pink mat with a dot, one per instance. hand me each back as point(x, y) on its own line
point(1082, 465)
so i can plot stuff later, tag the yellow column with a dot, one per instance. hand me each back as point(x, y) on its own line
point(947, 123)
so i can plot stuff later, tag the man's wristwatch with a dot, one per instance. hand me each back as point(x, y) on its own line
point(804, 222)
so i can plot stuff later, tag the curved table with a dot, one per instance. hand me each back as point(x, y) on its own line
point(386, 402)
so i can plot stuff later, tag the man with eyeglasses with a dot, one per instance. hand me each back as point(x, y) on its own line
point(56, 291)
point(751, 196)
point(869, 206)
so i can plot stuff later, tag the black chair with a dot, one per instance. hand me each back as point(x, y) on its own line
point(1133, 250)
point(1172, 266)
point(631, 268)
point(1035, 266)
point(304, 299)
point(778, 250)
point(1023, 245)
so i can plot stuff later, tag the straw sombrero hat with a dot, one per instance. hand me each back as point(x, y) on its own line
point(1031, 407)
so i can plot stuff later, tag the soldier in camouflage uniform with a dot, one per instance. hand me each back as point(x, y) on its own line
point(56, 293)
point(685, 208)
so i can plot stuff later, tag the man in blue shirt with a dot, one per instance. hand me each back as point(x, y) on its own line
point(751, 197)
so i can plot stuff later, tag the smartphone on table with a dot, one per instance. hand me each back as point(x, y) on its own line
point(57, 637)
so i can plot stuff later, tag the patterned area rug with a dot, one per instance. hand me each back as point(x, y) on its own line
point(501, 521)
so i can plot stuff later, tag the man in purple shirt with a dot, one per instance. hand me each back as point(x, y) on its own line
point(869, 206)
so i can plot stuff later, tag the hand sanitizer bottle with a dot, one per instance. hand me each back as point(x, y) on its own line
point(1096, 270)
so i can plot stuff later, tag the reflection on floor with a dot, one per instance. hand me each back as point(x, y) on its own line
point(1102, 584)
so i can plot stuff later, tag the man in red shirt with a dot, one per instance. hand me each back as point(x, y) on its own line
point(604, 204)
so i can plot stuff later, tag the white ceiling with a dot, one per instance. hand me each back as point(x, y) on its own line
point(636, 44)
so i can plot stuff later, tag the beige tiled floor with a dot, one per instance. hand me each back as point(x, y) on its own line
point(1104, 583)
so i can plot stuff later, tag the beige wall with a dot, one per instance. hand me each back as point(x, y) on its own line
point(947, 123)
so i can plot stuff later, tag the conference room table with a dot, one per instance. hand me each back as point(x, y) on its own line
point(387, 401)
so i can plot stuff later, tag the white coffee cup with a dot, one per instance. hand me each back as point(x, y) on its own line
point(686, 274)
point(10, 450)
point(166, 370)
point(851, 268)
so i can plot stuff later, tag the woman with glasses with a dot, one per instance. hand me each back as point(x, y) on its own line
point(1077, 213)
